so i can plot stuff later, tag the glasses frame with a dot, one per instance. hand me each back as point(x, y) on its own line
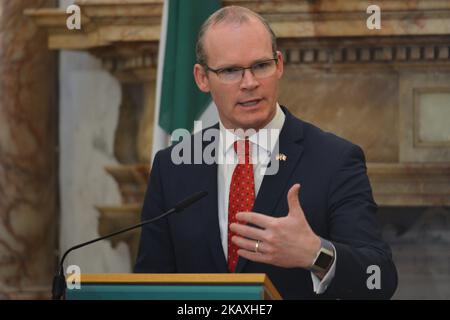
point(242, 69)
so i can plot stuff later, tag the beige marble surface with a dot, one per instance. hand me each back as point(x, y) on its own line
point(28, 139)
point(340, 102)
point(126, 131)
point(145, 133)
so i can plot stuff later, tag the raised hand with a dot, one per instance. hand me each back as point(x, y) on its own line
point(285, 242)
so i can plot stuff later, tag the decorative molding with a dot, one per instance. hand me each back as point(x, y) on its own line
point(365, 51)
point(125, 34)
point(332, 7)
point(136, 68)
point(331, 33)
point(104, 23)
point(410, 149)
point(132, 181)
point(411, 184)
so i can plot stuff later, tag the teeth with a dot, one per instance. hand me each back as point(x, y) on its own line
point(250, 103)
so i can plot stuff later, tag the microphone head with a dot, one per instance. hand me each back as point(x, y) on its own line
point(190, 200)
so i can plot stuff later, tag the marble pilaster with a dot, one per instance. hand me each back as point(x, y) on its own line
point(28, 167)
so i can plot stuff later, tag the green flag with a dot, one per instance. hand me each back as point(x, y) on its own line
point(179, 101)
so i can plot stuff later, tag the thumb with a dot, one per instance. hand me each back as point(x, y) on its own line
point(293, 201)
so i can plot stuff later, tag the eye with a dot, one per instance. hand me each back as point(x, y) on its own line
point(231, 70)
point(261, 65)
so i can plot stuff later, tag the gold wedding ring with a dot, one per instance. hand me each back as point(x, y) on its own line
point(257, 246)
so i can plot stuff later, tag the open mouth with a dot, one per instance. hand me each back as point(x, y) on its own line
point(249, 103)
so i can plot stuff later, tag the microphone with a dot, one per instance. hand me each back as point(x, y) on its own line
point(59, 280)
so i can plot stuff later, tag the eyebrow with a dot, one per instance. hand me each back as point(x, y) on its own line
point(238, 66)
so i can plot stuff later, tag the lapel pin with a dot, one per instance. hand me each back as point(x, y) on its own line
point(281, 157)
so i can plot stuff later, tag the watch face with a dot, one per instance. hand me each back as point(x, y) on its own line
point(323, 260)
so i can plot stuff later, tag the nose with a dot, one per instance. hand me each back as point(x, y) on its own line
point(249, 82)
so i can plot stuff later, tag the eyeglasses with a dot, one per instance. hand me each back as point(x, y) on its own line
point(260, 70)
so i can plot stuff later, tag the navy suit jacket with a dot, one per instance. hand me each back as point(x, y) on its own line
point(336, 197)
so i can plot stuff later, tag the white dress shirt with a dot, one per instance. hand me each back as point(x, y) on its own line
point(261, 149)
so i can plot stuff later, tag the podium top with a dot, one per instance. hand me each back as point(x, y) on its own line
point(186, 278)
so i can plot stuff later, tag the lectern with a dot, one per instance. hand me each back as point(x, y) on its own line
point(141, 286)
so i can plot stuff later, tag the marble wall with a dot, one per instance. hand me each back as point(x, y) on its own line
point(28, 154)
point(340, 101)
point(89, 110)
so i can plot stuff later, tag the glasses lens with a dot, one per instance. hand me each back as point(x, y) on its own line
point(264, 69)
point(230, 75)
point(260, 70)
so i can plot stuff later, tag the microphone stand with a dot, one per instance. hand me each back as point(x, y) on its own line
point(59, 280)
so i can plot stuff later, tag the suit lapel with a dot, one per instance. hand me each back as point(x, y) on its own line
point(206, 178)
point(273, 186)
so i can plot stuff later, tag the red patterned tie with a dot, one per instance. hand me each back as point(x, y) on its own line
point(242, 195)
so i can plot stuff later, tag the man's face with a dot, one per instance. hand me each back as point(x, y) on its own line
point(250, 102)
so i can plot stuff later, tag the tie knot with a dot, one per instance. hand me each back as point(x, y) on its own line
point(242, 149)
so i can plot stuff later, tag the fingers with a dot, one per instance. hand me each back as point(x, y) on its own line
point(293, 199)
point(247, 231)
point(265, 221)
point(261, 220)
point(247, 244)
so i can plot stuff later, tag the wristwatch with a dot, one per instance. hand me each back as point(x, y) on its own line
point(324, 258)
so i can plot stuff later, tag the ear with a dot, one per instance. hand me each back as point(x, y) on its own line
point(201, 78)
point(280, 64)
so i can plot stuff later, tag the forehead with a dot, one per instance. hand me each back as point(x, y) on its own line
point(237, 43)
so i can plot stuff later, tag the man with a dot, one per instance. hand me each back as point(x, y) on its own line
point(315, 243)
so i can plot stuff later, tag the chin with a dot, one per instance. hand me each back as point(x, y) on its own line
point(259, 120)
point(254, 123)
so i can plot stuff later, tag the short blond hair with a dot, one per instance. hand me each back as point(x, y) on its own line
point(230, 14)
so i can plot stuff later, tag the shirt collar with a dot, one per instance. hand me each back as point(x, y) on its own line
point(265, 138)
